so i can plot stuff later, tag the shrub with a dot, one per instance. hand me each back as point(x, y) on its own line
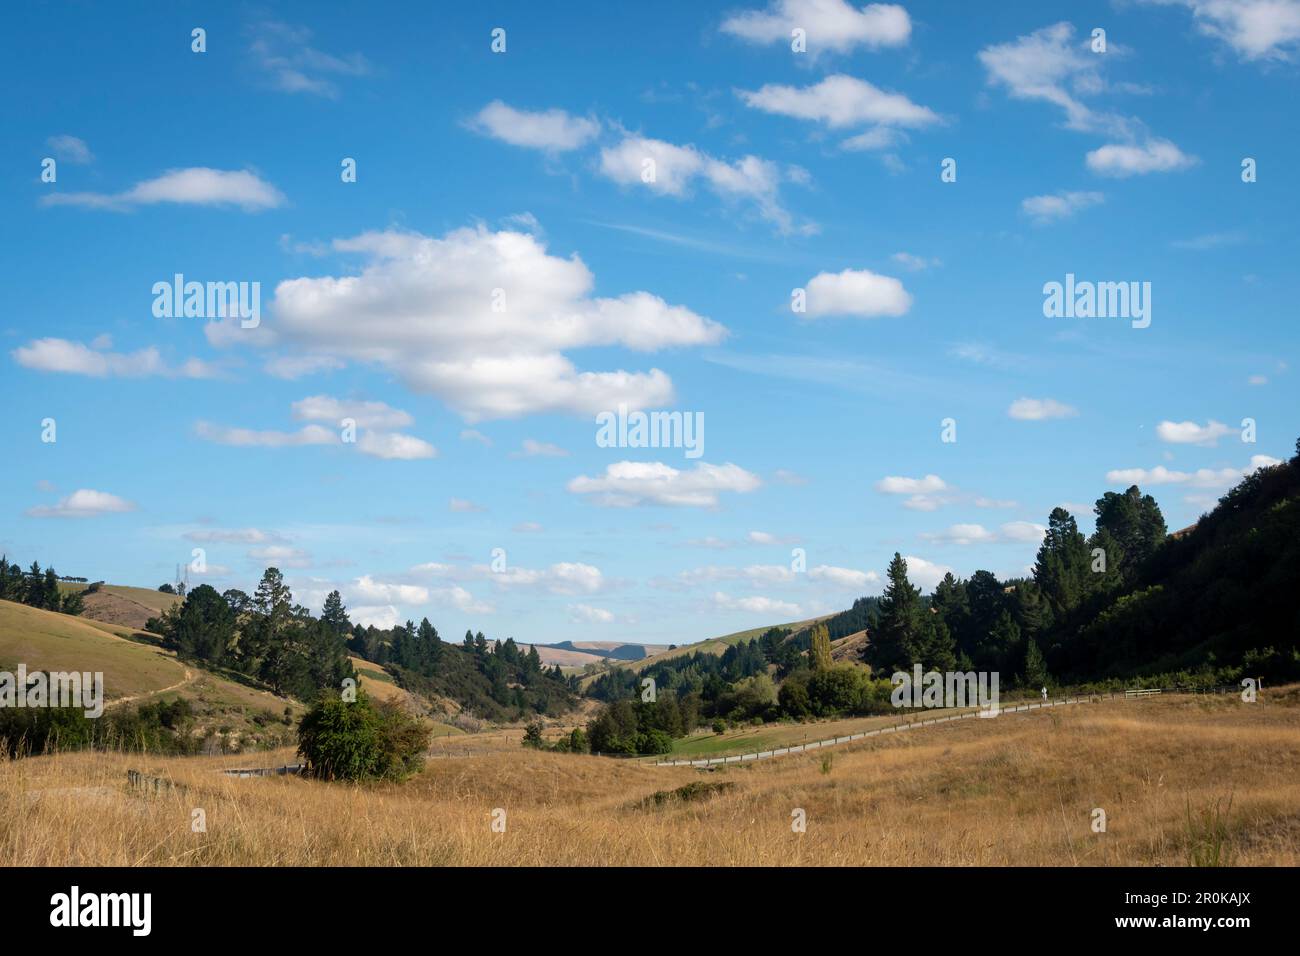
point(361, 740)
point(654, 742)
point(719, 726)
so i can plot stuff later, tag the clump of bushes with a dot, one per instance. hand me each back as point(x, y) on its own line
point(574, 743)
point(361, 740)
point(161, 728)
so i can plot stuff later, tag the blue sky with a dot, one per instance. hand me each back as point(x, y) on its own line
point(524, 171)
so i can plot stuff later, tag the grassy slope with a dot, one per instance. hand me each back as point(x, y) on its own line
point(1018, 790)
point(44, 640)
point(121, 605)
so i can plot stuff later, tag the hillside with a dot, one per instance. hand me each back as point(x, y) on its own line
point(1222, 591)
point(229, 715)
point(712, 645)
point(118, 604)
point(580, 653)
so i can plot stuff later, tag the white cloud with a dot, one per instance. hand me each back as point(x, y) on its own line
point(961, 534)
point(83, 503)
point(531, 448)
point(1050, 65)
point(368, 589)
point(856, 292)
point(196, 186)
point(395, 446)
point(384, 617)
point(925, 574)
point(670, 170)
point(1190, 433)
point(423, 308)
point(830, 24)
point(553, 130)
point(1023, 531)
point(586, 614)
point(756, 605)
point(527, 527)
point(629, 483)
point(896, 485)
point(1154, 156)
point(70, 149)
point(1045, 209)
point(471, 434)
point(74, 358)
point(1201, 478)
point(1256, 29)
point(252, 438)
point(1040, 409)
point(464, 506)
point(565, 577)
point(840, 101)
point(325, 408)
point(843, 577)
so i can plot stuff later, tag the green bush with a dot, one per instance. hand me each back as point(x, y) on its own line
point(361, 740)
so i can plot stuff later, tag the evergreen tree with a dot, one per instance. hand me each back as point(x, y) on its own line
point(1062, 565)
point(897, 641)
point(335, 614)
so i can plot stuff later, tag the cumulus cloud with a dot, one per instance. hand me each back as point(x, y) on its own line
point(1191, 433)
point(840, 101)
point(1040, 409)
point(925, 574)
point(1045, 209)
point(395, 446)
point(961, 534)
point(83, 503)
point(630, 483)
point(898, 485)
point(1201, 478)
point(74, 358)
point(671, 170)
point(1255, 29)
point(551, 131)
point(832, 25)
point(368, 589)
point(856, 292)
point(843, 577)
point(1121, 160)
point(755, 604)
point(586, 614)
point(482, 319)
point(464, 506)
point(196, 186)
point(366, 414)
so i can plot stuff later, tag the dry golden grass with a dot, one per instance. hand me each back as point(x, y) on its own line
point(1016, 790)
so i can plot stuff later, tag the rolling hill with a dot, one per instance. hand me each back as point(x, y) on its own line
point(232, 715)
point(118, 604)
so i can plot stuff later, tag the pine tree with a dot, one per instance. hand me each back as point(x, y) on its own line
point(335, 614)
point(897, 641)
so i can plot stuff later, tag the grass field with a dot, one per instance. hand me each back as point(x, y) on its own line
point(1181, 780)
point(136, 668)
